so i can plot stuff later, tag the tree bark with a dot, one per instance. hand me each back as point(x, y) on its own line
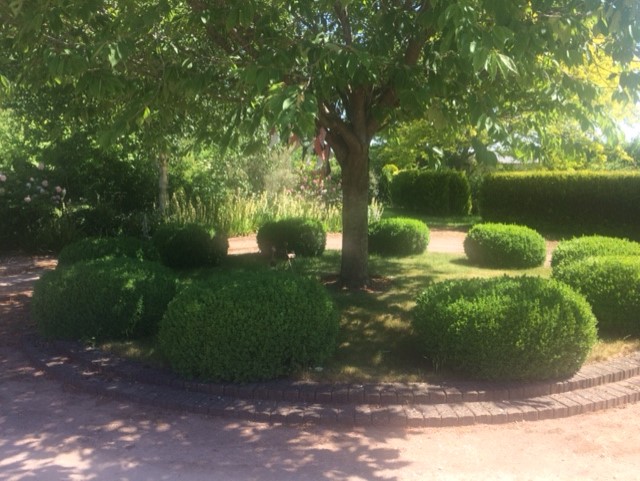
point(354, 270)
point(163, 183)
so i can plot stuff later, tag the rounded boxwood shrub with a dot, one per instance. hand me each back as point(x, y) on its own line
point(304, 237)
point(118, 298)
point(505, 246)
point(523, 328)
point(185, 246)
point(248, 326)
point(611, 284)
point(105, 247)
point(591, 246)
point(398, 237)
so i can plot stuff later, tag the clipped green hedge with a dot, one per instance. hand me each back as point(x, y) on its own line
point(574, 203)
point(185, 246)
point(611, 284)
point(589, 246)
point(505, 246)
point(304, 237)
point(104, 247)
point(398, 237)
point(505, 329)
point(106, 299)
point(249, 326)
point(438, 193)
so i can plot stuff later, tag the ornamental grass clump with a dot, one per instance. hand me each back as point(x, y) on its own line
point(398, 237)
point(299, 235)
point(611, 284)
point(107, 247)
point(107, 299)
point(504, 246)
point(591, 246)
point(249, 326)
point(505, 329)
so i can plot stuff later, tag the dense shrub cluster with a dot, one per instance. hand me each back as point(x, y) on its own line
point(589, 246)
point(611, 284)
point(570, 203)
point(504, 246)
point(432, 192)
point(184, 246)
point(249, 326)
point(524, 328)
point(304, 237)
point(103, 247)
point(118, 298)
point(398, 237)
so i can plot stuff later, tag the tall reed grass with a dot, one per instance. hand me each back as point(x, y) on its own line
point(241, 214)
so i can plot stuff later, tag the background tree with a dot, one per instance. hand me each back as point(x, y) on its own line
point(351, 67)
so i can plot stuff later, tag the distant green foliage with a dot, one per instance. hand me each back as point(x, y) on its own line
point(611, 284)
point(588, 246)
point(524, 328)
point(440, 193)
point(304, 237)
point(249, 326)
point(398, 237)
point(189, 246)
point(568, 203)
point(505, 246)
point(103, 247)
point(107, 299)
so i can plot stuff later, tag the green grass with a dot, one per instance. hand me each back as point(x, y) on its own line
point(375, 342)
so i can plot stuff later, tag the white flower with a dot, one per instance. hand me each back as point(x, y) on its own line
point(3, 178)
point(28, 185)
point(40, 165)
point(45, 183)
point(27, 199)
point(31, 179)
point(58, 189)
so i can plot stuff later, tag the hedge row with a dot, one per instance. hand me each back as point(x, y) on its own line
point(505, 246)
point(577, 203)
point(249, 326)
point(503, 328)
point(398, 236)
point(437, 193)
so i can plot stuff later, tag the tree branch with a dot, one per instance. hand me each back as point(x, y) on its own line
point(343, 17)
point(388, 97)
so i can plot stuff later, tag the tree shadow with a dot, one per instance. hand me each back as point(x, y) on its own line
point(48, 433)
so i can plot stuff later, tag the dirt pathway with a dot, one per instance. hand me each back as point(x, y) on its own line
point(48, 433)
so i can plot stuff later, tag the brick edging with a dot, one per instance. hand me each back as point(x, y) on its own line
point(384, 394)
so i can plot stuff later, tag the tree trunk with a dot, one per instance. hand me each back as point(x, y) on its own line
point(354, 270)
point(163, 183)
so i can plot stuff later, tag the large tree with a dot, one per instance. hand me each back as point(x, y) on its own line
point(352, 67)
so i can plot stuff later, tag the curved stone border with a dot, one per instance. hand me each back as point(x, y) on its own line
point(597, 386)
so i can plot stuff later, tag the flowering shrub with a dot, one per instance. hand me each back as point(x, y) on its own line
point(30, 202)
point(313, 186)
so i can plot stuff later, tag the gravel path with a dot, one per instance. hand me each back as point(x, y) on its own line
point(49, 433)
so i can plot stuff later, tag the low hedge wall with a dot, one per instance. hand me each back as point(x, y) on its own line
point(568, 203)
point(505, 329)
point(249, 326)
point(438, 193)
point(580, 248)
point(611, 284)
point(505, 246)
point(398, 236)
point(106, 247)
point(304, 237)
point(106, 299)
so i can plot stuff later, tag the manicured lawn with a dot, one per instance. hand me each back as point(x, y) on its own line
point(375, 341)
